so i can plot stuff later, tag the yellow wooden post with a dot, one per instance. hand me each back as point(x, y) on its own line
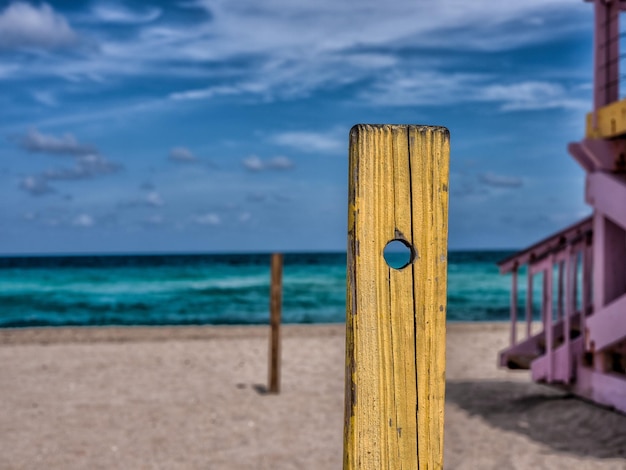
point(395, 345)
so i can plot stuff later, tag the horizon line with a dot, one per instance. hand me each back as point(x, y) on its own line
point(214, 253)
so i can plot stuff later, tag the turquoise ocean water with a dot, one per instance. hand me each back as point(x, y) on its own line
point(214, 289)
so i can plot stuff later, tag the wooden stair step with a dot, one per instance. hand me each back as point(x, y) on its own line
point(520, 361)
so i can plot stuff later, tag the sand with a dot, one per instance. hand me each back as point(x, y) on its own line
point(192, 398)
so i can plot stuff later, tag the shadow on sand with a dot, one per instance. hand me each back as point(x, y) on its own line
point(558, 420)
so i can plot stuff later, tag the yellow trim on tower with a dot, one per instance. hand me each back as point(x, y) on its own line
point(611, 121)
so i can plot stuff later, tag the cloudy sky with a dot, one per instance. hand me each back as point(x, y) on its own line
point(222, 125)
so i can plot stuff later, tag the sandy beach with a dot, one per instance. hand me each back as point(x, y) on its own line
point(192, 397)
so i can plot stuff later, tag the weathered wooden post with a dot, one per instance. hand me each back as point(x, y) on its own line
point(276, 298)
point(395, 345)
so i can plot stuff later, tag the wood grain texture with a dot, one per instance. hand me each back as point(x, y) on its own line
point(395, 340)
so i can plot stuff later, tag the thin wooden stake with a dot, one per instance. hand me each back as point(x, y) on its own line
point(276, 296)
point(395, 335)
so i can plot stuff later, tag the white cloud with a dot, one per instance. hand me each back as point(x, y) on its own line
point(83, 220)
point(253, 27)
point(280, 163)
point(150, 199)
point(271, 77)
point(117, 13)
point(205, 93)
point(255, 164)
point(182, 154)
point(8, 70)
point(283, 49)
point(287, 50)
point(291, 48)
point(35, 186)
point(36, 142)
point(45, 97)
point(500, 181)
point(207, 219)
point(315, 142)
point(294, 58)
point(154, 199)
point(25, 25)
point(531, 95)
point(87, 166)
point(88, 163)
point(442, 89)
point(417, 87)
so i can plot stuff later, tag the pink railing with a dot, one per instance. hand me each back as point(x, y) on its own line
point(568, 255)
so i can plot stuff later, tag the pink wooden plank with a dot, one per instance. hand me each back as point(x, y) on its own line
point(606, 54)
point(606, 389)
point(609, 255)
point(606, 192)
point(529, 302)
point(554, 242)
point(598, 258)
point(540, 367)
point(580, 154)
point(559, 304)
point(607, 326)
point(514, 308)
point(600, 153)
point(570, 301)
point(586, 293)
point(541, 266)
point(547, 293)
point(576, 253)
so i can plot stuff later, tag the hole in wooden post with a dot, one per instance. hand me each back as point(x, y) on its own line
point(398, 254)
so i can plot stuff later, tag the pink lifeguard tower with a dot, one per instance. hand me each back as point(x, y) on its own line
point(581, 345)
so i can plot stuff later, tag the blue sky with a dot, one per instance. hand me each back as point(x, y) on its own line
point(222, 125)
